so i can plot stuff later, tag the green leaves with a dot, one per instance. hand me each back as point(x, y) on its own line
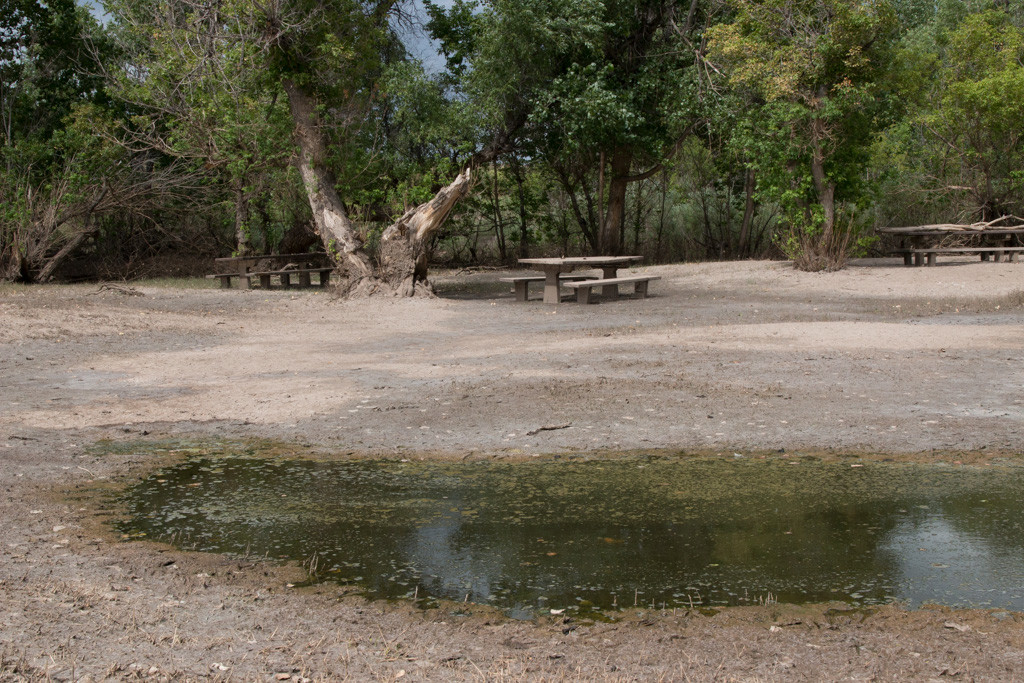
point(810, 70)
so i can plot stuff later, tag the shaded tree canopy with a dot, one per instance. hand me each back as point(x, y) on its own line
point(674, 129)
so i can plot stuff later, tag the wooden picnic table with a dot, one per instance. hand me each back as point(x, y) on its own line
point(920, 245)
point(554, 267)
point(280, 265)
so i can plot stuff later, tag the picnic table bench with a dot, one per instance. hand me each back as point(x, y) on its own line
point(282, 266)
point(585, 287)
point(521, 283)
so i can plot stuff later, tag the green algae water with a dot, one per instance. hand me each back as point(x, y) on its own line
point(607, 534)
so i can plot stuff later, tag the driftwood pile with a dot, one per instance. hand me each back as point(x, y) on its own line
point(1001, 223)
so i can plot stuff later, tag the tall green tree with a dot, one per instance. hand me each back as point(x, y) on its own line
point(976, 115)
point(812, 68)
point(57, 174)
point(198, 95)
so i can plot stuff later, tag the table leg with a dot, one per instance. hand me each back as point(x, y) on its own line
point(609, 291)
point(917, 243)
point(552, 292)
point(243, 275)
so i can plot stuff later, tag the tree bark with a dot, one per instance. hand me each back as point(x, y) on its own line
point(499, 228)
point(524, 237)
point(749, 184)
point(823, 187)
point(243, 242)
point(611, 228)
point(403, 246)
point(337, 232)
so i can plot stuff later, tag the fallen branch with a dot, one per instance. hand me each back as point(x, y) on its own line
point(118, 289)
point(548, 428)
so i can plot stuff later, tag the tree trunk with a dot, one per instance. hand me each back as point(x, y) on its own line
point(749, 184)
point(591, 235)
point(243, 241)
point(661, 219)
point(499, 228)
point(823, 187)
point(339, 236)
point(403, 246)
point(524, 237)
point(611, 228)
point(87, 230)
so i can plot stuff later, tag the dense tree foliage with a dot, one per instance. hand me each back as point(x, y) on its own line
point(679, 129)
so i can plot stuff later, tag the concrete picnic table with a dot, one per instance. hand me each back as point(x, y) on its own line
point(554, 267)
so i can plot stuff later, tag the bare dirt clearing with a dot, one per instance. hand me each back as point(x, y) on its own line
point(919, 363)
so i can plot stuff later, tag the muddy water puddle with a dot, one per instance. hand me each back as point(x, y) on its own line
point(606, 534)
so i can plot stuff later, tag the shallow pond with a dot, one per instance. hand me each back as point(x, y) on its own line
point(602, 534)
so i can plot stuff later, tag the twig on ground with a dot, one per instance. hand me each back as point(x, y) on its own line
point(118, 289)
point(548, 428)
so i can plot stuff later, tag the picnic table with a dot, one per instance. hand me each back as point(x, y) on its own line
point(920, 245)
point(554, 268)
point(282, 266)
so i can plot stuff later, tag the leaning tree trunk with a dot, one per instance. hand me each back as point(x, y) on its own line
point(337, 232)
point(403, 248)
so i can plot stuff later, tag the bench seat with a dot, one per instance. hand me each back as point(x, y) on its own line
point(243, 267)
point(914, 256)
point(286, 276)
point(610, 286)
point(521, 283)
point(225, 279)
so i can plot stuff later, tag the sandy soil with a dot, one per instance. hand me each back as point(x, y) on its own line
point(921, 363)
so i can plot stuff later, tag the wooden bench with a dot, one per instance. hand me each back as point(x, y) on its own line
point(522, 283)
point(286, 276)
point(917, 257)
point(281, 265)
point(610, 286)
point(225, 279)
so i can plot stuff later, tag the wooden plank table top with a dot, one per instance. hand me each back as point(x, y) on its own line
point(308, 256)
point(924, 230)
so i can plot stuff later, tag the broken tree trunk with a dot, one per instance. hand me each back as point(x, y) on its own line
point(403, 246)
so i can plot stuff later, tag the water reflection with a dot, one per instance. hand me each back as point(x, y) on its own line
point(662, 531)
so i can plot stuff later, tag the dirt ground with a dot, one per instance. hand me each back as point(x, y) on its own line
point(877, 360)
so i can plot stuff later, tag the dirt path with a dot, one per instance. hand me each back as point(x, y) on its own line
point(877, 358)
